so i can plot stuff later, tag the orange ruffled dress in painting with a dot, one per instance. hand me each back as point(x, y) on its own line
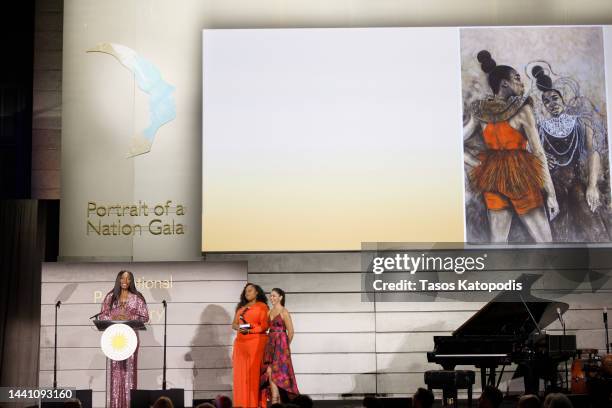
point(248, 356)
point(509, 176)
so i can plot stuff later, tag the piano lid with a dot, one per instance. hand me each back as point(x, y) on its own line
point(507, 313)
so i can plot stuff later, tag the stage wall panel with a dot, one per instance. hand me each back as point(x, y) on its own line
point(342, 345)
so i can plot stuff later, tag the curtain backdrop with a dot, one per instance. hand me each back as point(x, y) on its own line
point(23, 231)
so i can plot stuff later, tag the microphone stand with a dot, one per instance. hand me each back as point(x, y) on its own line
point(165, 324)
point(567, 386)
point(605, 319)
point(562, 342)
point(57, 306)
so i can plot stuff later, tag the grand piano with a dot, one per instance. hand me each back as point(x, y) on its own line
point(509, 329)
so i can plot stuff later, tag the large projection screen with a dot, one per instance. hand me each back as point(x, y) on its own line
point(322, 139)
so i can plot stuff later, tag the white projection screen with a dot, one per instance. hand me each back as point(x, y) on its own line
point(321, 139)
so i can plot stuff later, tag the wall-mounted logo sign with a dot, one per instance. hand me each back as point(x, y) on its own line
point(162, 108)
point(161, 219)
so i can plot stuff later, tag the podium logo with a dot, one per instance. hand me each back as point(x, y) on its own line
point(119, 342)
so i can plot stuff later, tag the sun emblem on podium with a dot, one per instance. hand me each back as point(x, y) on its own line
point(118, 342)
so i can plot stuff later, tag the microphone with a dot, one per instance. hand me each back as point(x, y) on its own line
point(561, 320)
point(96, 315)
point(164, 303)
point(58, 304)
point(605, 315)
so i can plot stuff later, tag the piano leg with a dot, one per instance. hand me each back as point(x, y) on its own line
point(470, 396)
point(487, 378)
point(483, 377)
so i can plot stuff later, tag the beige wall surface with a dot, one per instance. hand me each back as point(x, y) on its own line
point(102, 107)
point(342, 345)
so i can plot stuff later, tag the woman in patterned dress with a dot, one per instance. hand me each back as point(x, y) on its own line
point(277, 371)
point(575, 147)
point(124, 302)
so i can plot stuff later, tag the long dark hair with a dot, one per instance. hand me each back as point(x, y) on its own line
point(281, 293)
point(261, 296)
point(495, 73)
point(132, 288)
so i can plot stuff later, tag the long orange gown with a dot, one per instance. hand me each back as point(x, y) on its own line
point(248, 356)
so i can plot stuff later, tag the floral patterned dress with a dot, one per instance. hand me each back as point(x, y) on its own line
point(278, 356)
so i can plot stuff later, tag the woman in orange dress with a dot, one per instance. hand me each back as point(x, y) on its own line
point(251, 322)
point(512, 172)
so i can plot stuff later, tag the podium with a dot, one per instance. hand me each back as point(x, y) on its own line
point(105, 324)
point(119, 340)
point(145, 398)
